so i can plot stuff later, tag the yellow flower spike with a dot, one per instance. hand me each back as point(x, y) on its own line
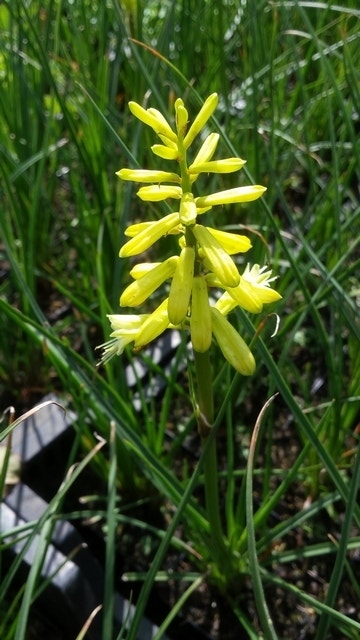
point(220, 262)
point(145, 175)
point(187, 211)
point(181, 117)
point(231, 242)
point(233, 347)
point(156, 193)
point(200, 319)
point(149, 235)
point(154, 325)
point(181, 285)
point(201, 119)
point(165, 152)
point(153, 119)
point(228, 165)
point(139, 291)
point(239, 194)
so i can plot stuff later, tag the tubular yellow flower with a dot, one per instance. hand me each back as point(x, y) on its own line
point(142, 268)
point(225, 303)
point(239, 194)
point(201, 119)
point(205, 153)
point(181, 284)
point(149, 234)
point(220, 262)
point(125, 329)
point(200, 319)
point(137, 292)
point(245, 297)
point(155, 193)
point(153, 326)
point(254, 289)
point(233, 347)
point(231, 242)
point(188, 211)
point(144, 175)
point(169, 143)
point(154, 119)
point(260, 278)
point(181, 117)
point(217, 166)
point(165, 152)
point(207, 149)
point(132, 230)
point(168, 132)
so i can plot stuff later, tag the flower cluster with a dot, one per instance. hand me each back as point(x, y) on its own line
point(205, 257)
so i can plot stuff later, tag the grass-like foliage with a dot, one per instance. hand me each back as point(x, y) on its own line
point(288, 78)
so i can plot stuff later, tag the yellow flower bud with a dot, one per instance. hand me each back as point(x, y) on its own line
point(219, 261)
point(207, 149)
point(155, 193)
point(166, 131)
point(154, 119)
point(142, 268)
point(217, 166)
point(233, 347)
point(137, 292)
point(225, 303)
point(200, 319)
point(231, 242)
point(181, 285)
point(153, 326)
point(188, 211)
point(148, 235)
point(133, 229)
point(181, 117)
point(169, 143)
point(144, 175)
point(201, 119)
point(165, 152)
point(239, 194)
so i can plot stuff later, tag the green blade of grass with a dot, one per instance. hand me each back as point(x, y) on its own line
point(254, 566)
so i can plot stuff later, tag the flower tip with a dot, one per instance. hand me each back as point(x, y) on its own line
point(233, 347)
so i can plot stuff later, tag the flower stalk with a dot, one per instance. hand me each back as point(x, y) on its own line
point(205, 419)
point(203, 283)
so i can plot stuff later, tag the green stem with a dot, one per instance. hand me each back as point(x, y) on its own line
point(205, 422)
point(206, 409)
